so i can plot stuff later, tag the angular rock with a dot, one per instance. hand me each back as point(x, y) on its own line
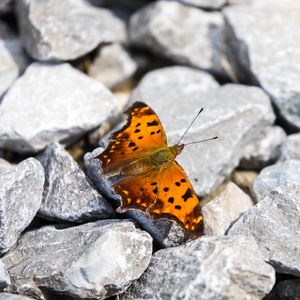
point(68, 195)
point(4, 165)
point(21, 191)
point(234, 113)
point(8, 296)
point(274, 224)
point(291, 148)
point(61, 104)
point(4, 277)
point(112, 65)
point(225, 209)
point(287, 289)
point(168, 28)
point(213, 267)
point(93, 260)
point(273, 176)
point(51, 33)
point(206, 4)
point(265, 150)
point(12, 57)
point(252, 31)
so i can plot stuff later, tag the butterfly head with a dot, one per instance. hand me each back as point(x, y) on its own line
point(177, 149)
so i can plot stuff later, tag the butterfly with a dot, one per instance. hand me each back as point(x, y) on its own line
point(149, 178)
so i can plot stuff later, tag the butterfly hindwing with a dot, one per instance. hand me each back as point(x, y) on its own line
point(142, 133)
point(177, 199)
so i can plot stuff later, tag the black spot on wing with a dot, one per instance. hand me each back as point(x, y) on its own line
point(153, 123)
point(132, 144)
point(177, 207)
point(177, 183)
point(155, 191)
point(171, 200)
point(188, 194)
point(166, 189)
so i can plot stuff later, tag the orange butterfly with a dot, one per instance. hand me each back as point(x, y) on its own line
point(149, 178)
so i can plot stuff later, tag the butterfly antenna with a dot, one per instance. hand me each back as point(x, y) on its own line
point(190, 126)
point(214, 138)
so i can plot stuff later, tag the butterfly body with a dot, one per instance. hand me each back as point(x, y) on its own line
point(149, 178)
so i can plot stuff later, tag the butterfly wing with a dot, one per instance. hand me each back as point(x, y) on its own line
point(164, 193)
point(142, 133)
point(177, 199)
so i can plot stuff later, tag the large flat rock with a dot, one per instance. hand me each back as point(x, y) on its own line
point(274, 224)
point(206, 268)
point(64, 30)
point(184, 34)
point(61, 104)
point(264, 45)
point(21, 191)
point(94, 260)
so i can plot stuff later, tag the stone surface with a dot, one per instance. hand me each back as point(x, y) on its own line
point(225, 209)
point(112, 65)
point(265, 150)
point(291, 148)
point(61, 104)
point(168, 28)
point(273, 176)
point(252, 31)
point(206, 4)
point(244, 180)
point(68, 194)
point(6, 6)
point(8, 296)
point(4, 277)
point(287, 289)
point(274, 224)
point(21, 191)
point(65, 30)
point(177, 94)
point(213, 267)
point(4, 165)
point(94, 260)
point(12, 57)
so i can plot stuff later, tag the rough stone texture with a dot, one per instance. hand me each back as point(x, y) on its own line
point(291, 148)
point(68, 195)
point(225, 209)
point(4, 165)
point(21, 191)
point(61, 104)
point(94, 260)
point(4, 277)
point(168, 28)
point(8, 296)
point(274, 224)
point(65, 30)
point(244, 180)
point(273, 176)
point(265, 150)
point(287, 289)
point(112, 65)
point(255, 29)
point(12, 57)
point(206, 4)
point(176, 100)
point(213, 267)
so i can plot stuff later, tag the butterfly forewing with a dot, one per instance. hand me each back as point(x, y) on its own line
point(142, 133)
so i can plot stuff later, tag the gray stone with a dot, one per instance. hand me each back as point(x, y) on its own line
point(4, 165)
point(274, 224)
point(181, 33)
point(225, 209)
point(255, 29)
point(93, 260)
point(65, 30)
point(8, 296)
point(20, 198)
point(265, 150)
point(6, 6)
point(273, 176)
point(234, 113)
point(288, 290)
point(68, 195)
point(4, 277)
point(61, 104)
point(206, 4)
point(12, 57)
point(291, 148)
point(112, 65)
point(213, 267)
